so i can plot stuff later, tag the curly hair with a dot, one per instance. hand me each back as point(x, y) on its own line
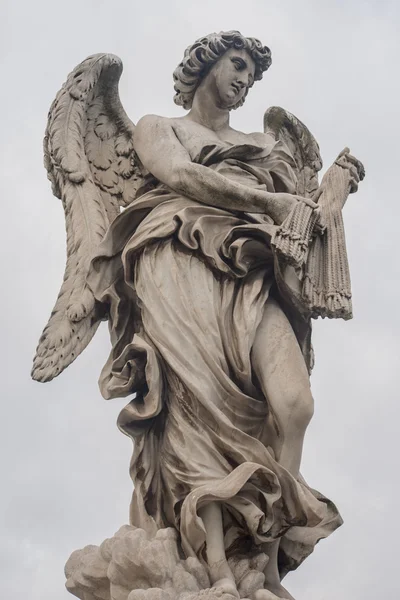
point(205, 52)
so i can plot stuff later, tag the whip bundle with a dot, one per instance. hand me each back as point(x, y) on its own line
point(313, 242)
point(326, 287)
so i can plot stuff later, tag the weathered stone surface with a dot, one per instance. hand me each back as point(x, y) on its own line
point(135, 566)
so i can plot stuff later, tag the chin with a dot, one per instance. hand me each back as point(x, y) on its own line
point(229, 102)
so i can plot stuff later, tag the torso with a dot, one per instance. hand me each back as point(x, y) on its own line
point(194, 136)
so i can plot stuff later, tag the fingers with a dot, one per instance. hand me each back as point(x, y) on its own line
point(354, 179)
point(307, 201)
point(348, 161)
point(355, 169)
point(344, 152)
point(319, 225)
point(318, 193)
point(358, 165)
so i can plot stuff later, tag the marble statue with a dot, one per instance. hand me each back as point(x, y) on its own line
point(225, 248)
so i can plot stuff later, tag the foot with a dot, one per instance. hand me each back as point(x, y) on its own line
point(225, 586)
point(222, 578)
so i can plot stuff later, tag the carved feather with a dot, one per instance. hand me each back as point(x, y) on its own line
point(282, 125)
point(91, 163)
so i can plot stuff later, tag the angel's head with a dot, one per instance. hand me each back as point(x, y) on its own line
point(234, 60)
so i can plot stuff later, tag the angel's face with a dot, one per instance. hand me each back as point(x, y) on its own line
point(230, 78)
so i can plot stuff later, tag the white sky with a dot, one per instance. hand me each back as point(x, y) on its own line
point(64, 465)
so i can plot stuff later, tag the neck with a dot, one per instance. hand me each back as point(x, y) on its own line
point(206, 112)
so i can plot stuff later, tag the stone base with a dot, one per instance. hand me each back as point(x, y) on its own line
point(135, 566)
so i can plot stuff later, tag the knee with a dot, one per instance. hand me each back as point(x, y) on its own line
point(298, 408)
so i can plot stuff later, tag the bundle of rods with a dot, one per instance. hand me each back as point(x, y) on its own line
point(326, 287)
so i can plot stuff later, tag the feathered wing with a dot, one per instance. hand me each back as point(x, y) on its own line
point(91, 163)
point(282, 125)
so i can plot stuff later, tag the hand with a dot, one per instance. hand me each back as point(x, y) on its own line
point(354, 166)
point(283, 205)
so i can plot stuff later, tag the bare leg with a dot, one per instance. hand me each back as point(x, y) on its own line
point(280, 368)
point(220, 574)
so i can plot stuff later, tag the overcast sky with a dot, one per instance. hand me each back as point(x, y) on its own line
point(64, 465)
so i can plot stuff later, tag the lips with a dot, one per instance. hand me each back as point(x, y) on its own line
point(236, 87)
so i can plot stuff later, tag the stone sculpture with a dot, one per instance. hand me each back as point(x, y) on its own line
point(209, 279)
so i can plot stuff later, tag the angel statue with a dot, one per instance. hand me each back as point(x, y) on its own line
point(208, 251)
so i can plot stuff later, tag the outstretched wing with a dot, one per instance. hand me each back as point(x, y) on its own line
point(282, 125)
point(89, 157)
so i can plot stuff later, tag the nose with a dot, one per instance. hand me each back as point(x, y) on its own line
point(241, 80)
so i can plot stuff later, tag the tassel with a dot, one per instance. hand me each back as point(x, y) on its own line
point(326, 286)
point(292, 238)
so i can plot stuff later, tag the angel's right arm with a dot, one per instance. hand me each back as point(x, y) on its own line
point(164, 156)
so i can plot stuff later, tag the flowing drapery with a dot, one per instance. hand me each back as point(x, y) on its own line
point(186, 284)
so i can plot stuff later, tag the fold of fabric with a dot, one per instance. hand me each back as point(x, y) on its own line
point(186, 284)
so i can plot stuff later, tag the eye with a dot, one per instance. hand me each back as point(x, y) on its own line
point(239, 64)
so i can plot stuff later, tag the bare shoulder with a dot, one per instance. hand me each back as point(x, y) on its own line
point(152, 131)
point(153, 125)
point(156, 144)
point(151, 122)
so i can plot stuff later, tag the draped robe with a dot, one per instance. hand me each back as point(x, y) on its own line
point(186, 284)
